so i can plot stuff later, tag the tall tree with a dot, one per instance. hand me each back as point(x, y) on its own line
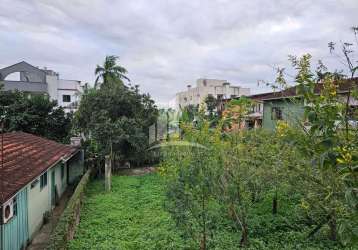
point(116, 118)
point(110, 70)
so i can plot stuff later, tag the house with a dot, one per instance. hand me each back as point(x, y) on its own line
point(287, 105)
point(25, 77)
point(34, 173)
point(220, 89)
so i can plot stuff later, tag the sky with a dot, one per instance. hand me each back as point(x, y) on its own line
point(168, 44)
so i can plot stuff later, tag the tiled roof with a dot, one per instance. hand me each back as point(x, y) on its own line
point(343, 86)
point(25, 157)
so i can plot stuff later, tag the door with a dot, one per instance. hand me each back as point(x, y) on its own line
point(53, 189)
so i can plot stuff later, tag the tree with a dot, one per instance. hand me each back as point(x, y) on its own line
point(116, 118)
point(328, 141)
point(235, 113)
point(110, 70)
point(35, 114)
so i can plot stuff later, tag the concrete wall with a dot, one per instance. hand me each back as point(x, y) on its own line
point(52, 86)
point(39, 201)
point(292, 112)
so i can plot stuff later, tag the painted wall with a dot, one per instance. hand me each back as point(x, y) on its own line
point(15, 233)
point(38, 203)
point(292, 112)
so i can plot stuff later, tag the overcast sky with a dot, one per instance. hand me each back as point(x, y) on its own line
point(166, 45)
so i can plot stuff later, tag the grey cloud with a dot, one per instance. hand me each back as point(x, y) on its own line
point(167, 44)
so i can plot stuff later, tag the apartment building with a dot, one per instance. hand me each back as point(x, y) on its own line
point(220, 89)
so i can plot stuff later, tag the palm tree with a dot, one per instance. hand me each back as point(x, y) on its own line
point(110, 69)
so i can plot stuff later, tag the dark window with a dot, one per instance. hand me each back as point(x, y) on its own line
point(62, 172)
point(7, 211)
point(14, 206)
point(66, 98)
point(276, 113)
point(43, 180)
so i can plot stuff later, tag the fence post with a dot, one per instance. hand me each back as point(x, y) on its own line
point(108, 173)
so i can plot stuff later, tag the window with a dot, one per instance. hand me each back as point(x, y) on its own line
point(14, 205)
point(62, 172)
point(66, 98)
point(43, 181)
point(276, 113)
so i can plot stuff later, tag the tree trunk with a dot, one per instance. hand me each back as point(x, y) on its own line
point(333, 227)
point(244, 242)
point(274, 204)
point(108, 173)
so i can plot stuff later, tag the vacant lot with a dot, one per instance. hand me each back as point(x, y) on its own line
point(130, 217)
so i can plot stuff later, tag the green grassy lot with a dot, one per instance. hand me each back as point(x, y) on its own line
point(132, 216)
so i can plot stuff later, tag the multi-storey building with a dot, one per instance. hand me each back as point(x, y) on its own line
point(42, 81)
point(220, 89)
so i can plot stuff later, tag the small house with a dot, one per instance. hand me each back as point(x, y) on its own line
point(34, 173)
point(288, 106)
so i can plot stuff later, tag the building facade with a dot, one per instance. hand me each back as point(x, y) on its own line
point(35, 173)
point(220, 89)
point(33, 80)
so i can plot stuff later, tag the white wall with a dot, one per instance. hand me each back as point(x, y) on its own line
point(52, 85)
point(197, 95)
point(39, 202)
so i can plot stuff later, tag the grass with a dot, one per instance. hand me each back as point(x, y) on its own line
point(130, 217)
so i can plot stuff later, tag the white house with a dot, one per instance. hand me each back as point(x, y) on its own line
point(220, 89)
point(25, 77)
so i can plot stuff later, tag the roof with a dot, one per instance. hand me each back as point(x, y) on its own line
point(24, 158)
point(344, 86)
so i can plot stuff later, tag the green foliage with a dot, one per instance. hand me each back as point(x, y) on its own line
point(236, 111)
point(329, 145)
point(116, 117)
point(35, 114)
point(130, 217)
point(110, 70)
point(67, 222)
point(189, 113)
